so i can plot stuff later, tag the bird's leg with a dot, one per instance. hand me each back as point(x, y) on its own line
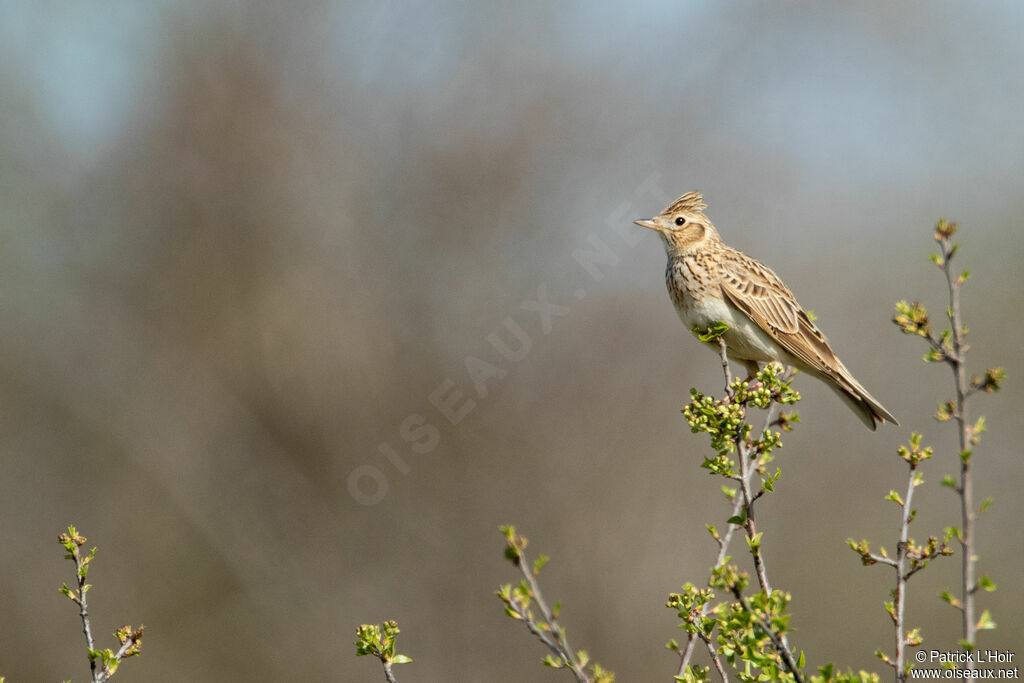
point(752, 369)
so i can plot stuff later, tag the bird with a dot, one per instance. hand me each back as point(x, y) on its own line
point(711, 283)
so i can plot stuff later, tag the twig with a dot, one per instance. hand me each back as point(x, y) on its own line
point(723, 548)
point(723, 542)
point(900, 598)
point(72, 542)
point(716, 659)
point(966, 487)
point(746, 472)
point(83, 608)
point(549, 632)
point(745, 504)
point(102, 664)
point(778, 640)
point(380, 641)
point(725, 366)
point(951, 348)
point(910, 557)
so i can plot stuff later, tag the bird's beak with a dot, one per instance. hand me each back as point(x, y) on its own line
point(647, 223)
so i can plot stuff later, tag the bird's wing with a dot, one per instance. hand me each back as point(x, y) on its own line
point(759, 293)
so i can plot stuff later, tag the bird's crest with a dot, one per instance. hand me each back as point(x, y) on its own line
point(691, 201)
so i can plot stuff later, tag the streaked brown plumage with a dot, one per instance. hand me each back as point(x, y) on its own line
point(710, 282)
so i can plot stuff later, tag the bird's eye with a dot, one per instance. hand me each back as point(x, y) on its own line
point(680, 220)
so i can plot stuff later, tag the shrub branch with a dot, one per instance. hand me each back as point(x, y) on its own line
point(752, 630)
point(746, 472)
point(102, 663)
point(950, 347)
point(546, 628)
point(723, 541)
point(379, 641)
point(910, 558)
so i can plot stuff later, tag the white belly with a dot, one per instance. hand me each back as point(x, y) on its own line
point(745, 340)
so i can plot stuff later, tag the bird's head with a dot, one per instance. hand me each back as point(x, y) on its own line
point(683, 225)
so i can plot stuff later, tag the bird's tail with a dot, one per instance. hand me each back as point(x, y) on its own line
point(864, 405)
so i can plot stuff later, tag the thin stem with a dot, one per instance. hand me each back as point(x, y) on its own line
point(83, 610)
point(966, 488)
point(555, 639)
point(900, 599)
point(716, 660)
point(723, 542)
point(388, 674)
point(745, 503)
point(750, 524)
point(725, 367)
point(723, 549)
point(102, 666)
point(884, 560)
point(779, 641)
point(746, 472)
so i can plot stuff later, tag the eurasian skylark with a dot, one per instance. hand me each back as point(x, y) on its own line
point(710, 282)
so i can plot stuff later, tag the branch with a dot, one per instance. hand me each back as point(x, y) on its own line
point(723, 354)
point(746, 472)
point(547, 629)
point(966, 487)
point(379, 641)
point(723, 549)
point(102, 664)
point(951, 348)
point(716, 659)
point(910, 557)
point(72, 542)
point(900, 598)
point(728, 432)
point(778, 640)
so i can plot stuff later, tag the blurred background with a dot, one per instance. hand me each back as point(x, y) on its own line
point(258, 258)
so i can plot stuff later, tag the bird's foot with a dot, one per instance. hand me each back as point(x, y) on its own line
point(752, 370)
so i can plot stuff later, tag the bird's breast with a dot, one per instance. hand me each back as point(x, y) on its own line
point(691, 288)
point(697, 297)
